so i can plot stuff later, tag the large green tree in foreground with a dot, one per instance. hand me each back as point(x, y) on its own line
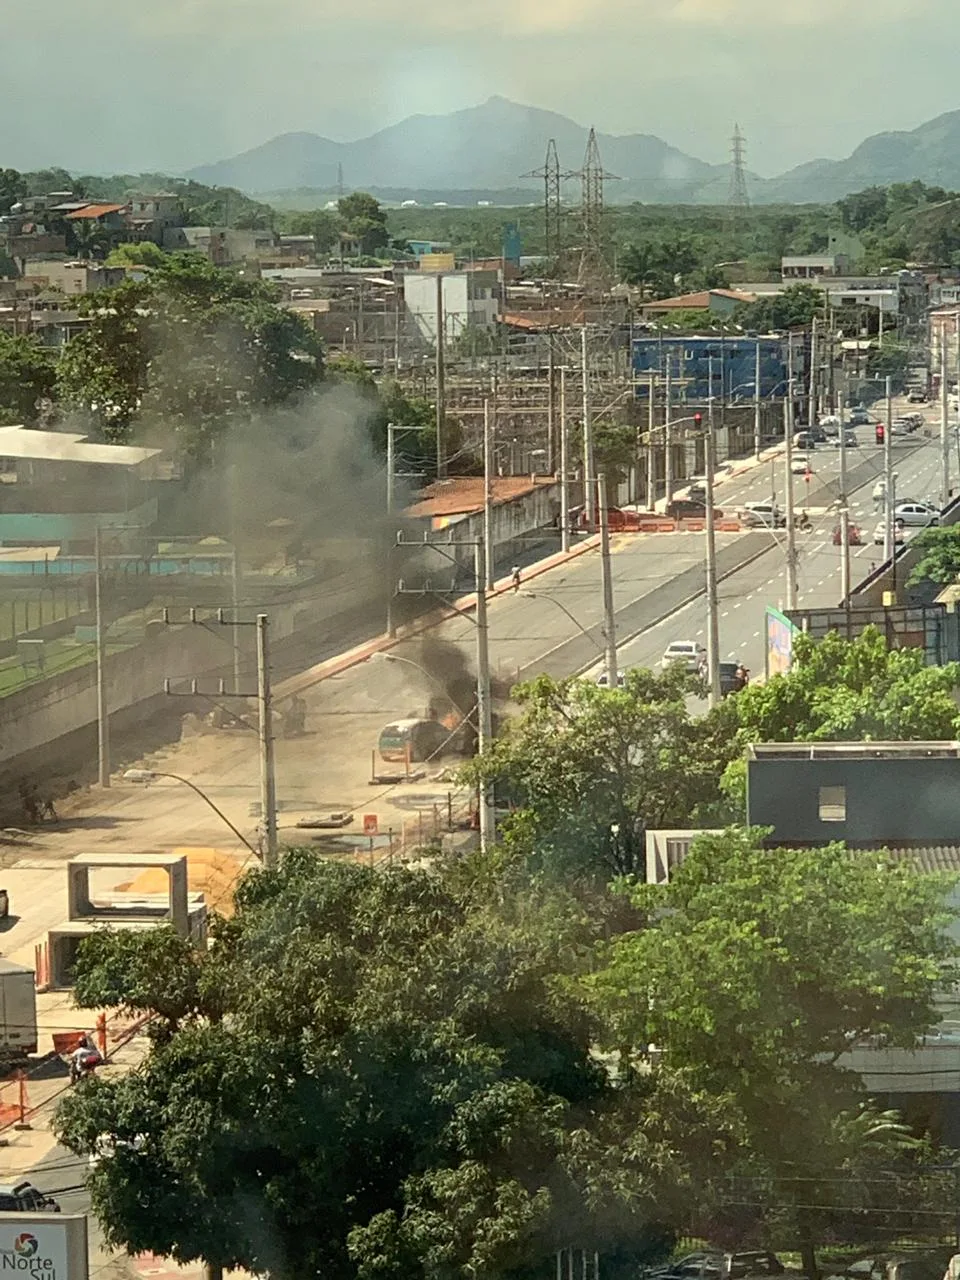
point(754, 973)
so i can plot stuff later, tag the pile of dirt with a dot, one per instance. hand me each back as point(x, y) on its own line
point(212, 872)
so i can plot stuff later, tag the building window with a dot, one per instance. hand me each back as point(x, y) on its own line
point(833, 804)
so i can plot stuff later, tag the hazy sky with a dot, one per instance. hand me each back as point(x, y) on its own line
point(97, 86)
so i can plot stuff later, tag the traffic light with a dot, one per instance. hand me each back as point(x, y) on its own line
point(879, 432)
point(698, 420)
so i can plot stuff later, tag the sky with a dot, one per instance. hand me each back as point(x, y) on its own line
point(99, 87)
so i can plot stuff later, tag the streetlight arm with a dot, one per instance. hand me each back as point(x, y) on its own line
point(395, 657)
point(147, 775)
point(530, 595)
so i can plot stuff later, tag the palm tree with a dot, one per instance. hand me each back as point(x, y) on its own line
point(88, 236)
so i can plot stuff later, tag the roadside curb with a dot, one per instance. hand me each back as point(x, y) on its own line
point(464, 604)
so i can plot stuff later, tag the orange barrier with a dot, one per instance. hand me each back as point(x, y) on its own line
point(66, 1041)
point(41, 966)
point(14, 1102)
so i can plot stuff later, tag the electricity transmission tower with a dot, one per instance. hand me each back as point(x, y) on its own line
point(550, 173)
point(739, 196)
point(593, 267)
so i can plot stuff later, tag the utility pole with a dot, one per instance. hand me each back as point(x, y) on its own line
point(651, 452)
point(668, 436)
point(488, 496)
point(889, 542)
point(268, 780)
point(756, 403)
point(844, 517)
point(391, 481)
point(441, 387)
point(814, 354)
point(713, 604)
point(484, 715)
point(103, 710)
point(610, 621)
point(791, 518)
point(564, 467)
point(551, 412)
point(944, 422)
point(589, 477)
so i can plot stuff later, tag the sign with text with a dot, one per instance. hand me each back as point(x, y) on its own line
point(43, 1246)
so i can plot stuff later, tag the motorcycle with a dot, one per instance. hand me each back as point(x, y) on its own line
point(84, 1061)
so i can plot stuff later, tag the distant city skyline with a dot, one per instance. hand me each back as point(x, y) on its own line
point(97, 88)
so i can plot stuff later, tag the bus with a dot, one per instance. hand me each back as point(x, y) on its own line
point(412, 740)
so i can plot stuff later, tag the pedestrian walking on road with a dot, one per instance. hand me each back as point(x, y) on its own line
point(515, 577)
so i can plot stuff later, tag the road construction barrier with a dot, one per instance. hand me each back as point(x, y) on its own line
point(15, 1105)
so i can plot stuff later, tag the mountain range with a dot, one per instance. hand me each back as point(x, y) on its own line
point(493, 149)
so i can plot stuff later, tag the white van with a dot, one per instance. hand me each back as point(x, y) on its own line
point(762, 515)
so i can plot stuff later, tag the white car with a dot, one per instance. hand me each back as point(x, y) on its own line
point(687, 653)
point(880, 533)
point(604, 682)
point(916, 513)
point(801, 465)
point(850, 440)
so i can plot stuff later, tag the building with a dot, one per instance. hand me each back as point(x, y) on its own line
point(811, 266)
point(72, 278)
point(150, 216)
point(718, 302)
point(109, 217)
point(731, 359)
point(210, 241)
point(470, 299)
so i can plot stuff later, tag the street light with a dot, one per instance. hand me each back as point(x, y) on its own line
point(395, 657)
point(533, 595)
point(150, 775)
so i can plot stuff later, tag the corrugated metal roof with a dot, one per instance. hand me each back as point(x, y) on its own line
point(95, 211)
point(464, 496)
point(56, 446)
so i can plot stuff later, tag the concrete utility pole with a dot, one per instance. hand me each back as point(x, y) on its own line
point(668, 436)
point(235, 578)
point(103, 710)
point(713, 604)
point(606, 572)
point(756, 403)
point(441, 386)
point(814, 354)
point(791, 515)
point(488, 496)
point(844, 518)
point(551, 412)
point(268, 780)
point(944, 421)
point(651, 452)
point(589, 471)
point(889, 537)
point(484, 713)
point(564, 465)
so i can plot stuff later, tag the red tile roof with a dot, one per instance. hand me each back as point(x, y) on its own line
point(464, 496)
point(95, 211)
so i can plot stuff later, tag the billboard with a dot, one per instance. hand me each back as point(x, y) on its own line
point(438, 262)
point(779, 650)
point(43, 1246)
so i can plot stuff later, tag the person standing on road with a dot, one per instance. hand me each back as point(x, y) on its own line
point(515, 577)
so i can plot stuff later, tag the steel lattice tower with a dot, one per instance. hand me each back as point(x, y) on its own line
point(550, 174)
point(593, 267)
point(739, 195)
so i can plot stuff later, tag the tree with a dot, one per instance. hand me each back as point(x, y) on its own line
point(27, 377)
point(317, 223)
point(363, 217)
point(639, 264)
point(940, 561)
point(852, 690)
point(864, 210)
point(142, 254)
point(795, 307)
point(590, 769)
point(343, 1087)
point(88, 238)
point(753, 973)
point(193, 349)
point(13, 187)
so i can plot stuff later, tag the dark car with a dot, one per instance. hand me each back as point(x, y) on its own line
point(24, 1197)
point(730, 679)
point(711, 1265)
point(690, 509)
point(859, 418)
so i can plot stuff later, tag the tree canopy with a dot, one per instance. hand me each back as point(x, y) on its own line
point(27, 377)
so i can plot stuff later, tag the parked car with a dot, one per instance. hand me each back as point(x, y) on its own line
point(916, 513)
point(716, 1265)
point(24, 1197)
point(916, 395)
point(686, 653)
point(880, 533)
point(604, 683)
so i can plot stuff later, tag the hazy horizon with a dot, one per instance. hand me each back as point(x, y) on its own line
point(201, 80)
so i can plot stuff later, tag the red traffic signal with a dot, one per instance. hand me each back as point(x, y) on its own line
point(879, 432)
point(697, 419)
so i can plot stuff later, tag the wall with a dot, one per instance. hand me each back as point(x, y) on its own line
point(50, 529)
point(513, 523)
point(902, 801)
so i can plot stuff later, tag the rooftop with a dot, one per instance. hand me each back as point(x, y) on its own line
point(464, 496)
point(854, 750)
point(56, 446)
point(93, 211)
point(697, 301)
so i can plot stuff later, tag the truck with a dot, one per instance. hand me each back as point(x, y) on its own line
point(18, 1011)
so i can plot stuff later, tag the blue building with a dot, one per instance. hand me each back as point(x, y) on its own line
point(734, 366)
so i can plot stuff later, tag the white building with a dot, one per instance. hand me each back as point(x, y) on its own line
point(470, 299)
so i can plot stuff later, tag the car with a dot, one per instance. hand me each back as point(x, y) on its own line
point(686, 653)
point(731, 681)
point(800, 465)
point(762, 515)
point(24, 1197)
point(850, 440)
point(880, 533)
point(902, 427)
point(690, 509)
point(805, 440)
point(916, 395)
point(716, 1265)
point(859, 417)
point(604, 683)
point(916, 513)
